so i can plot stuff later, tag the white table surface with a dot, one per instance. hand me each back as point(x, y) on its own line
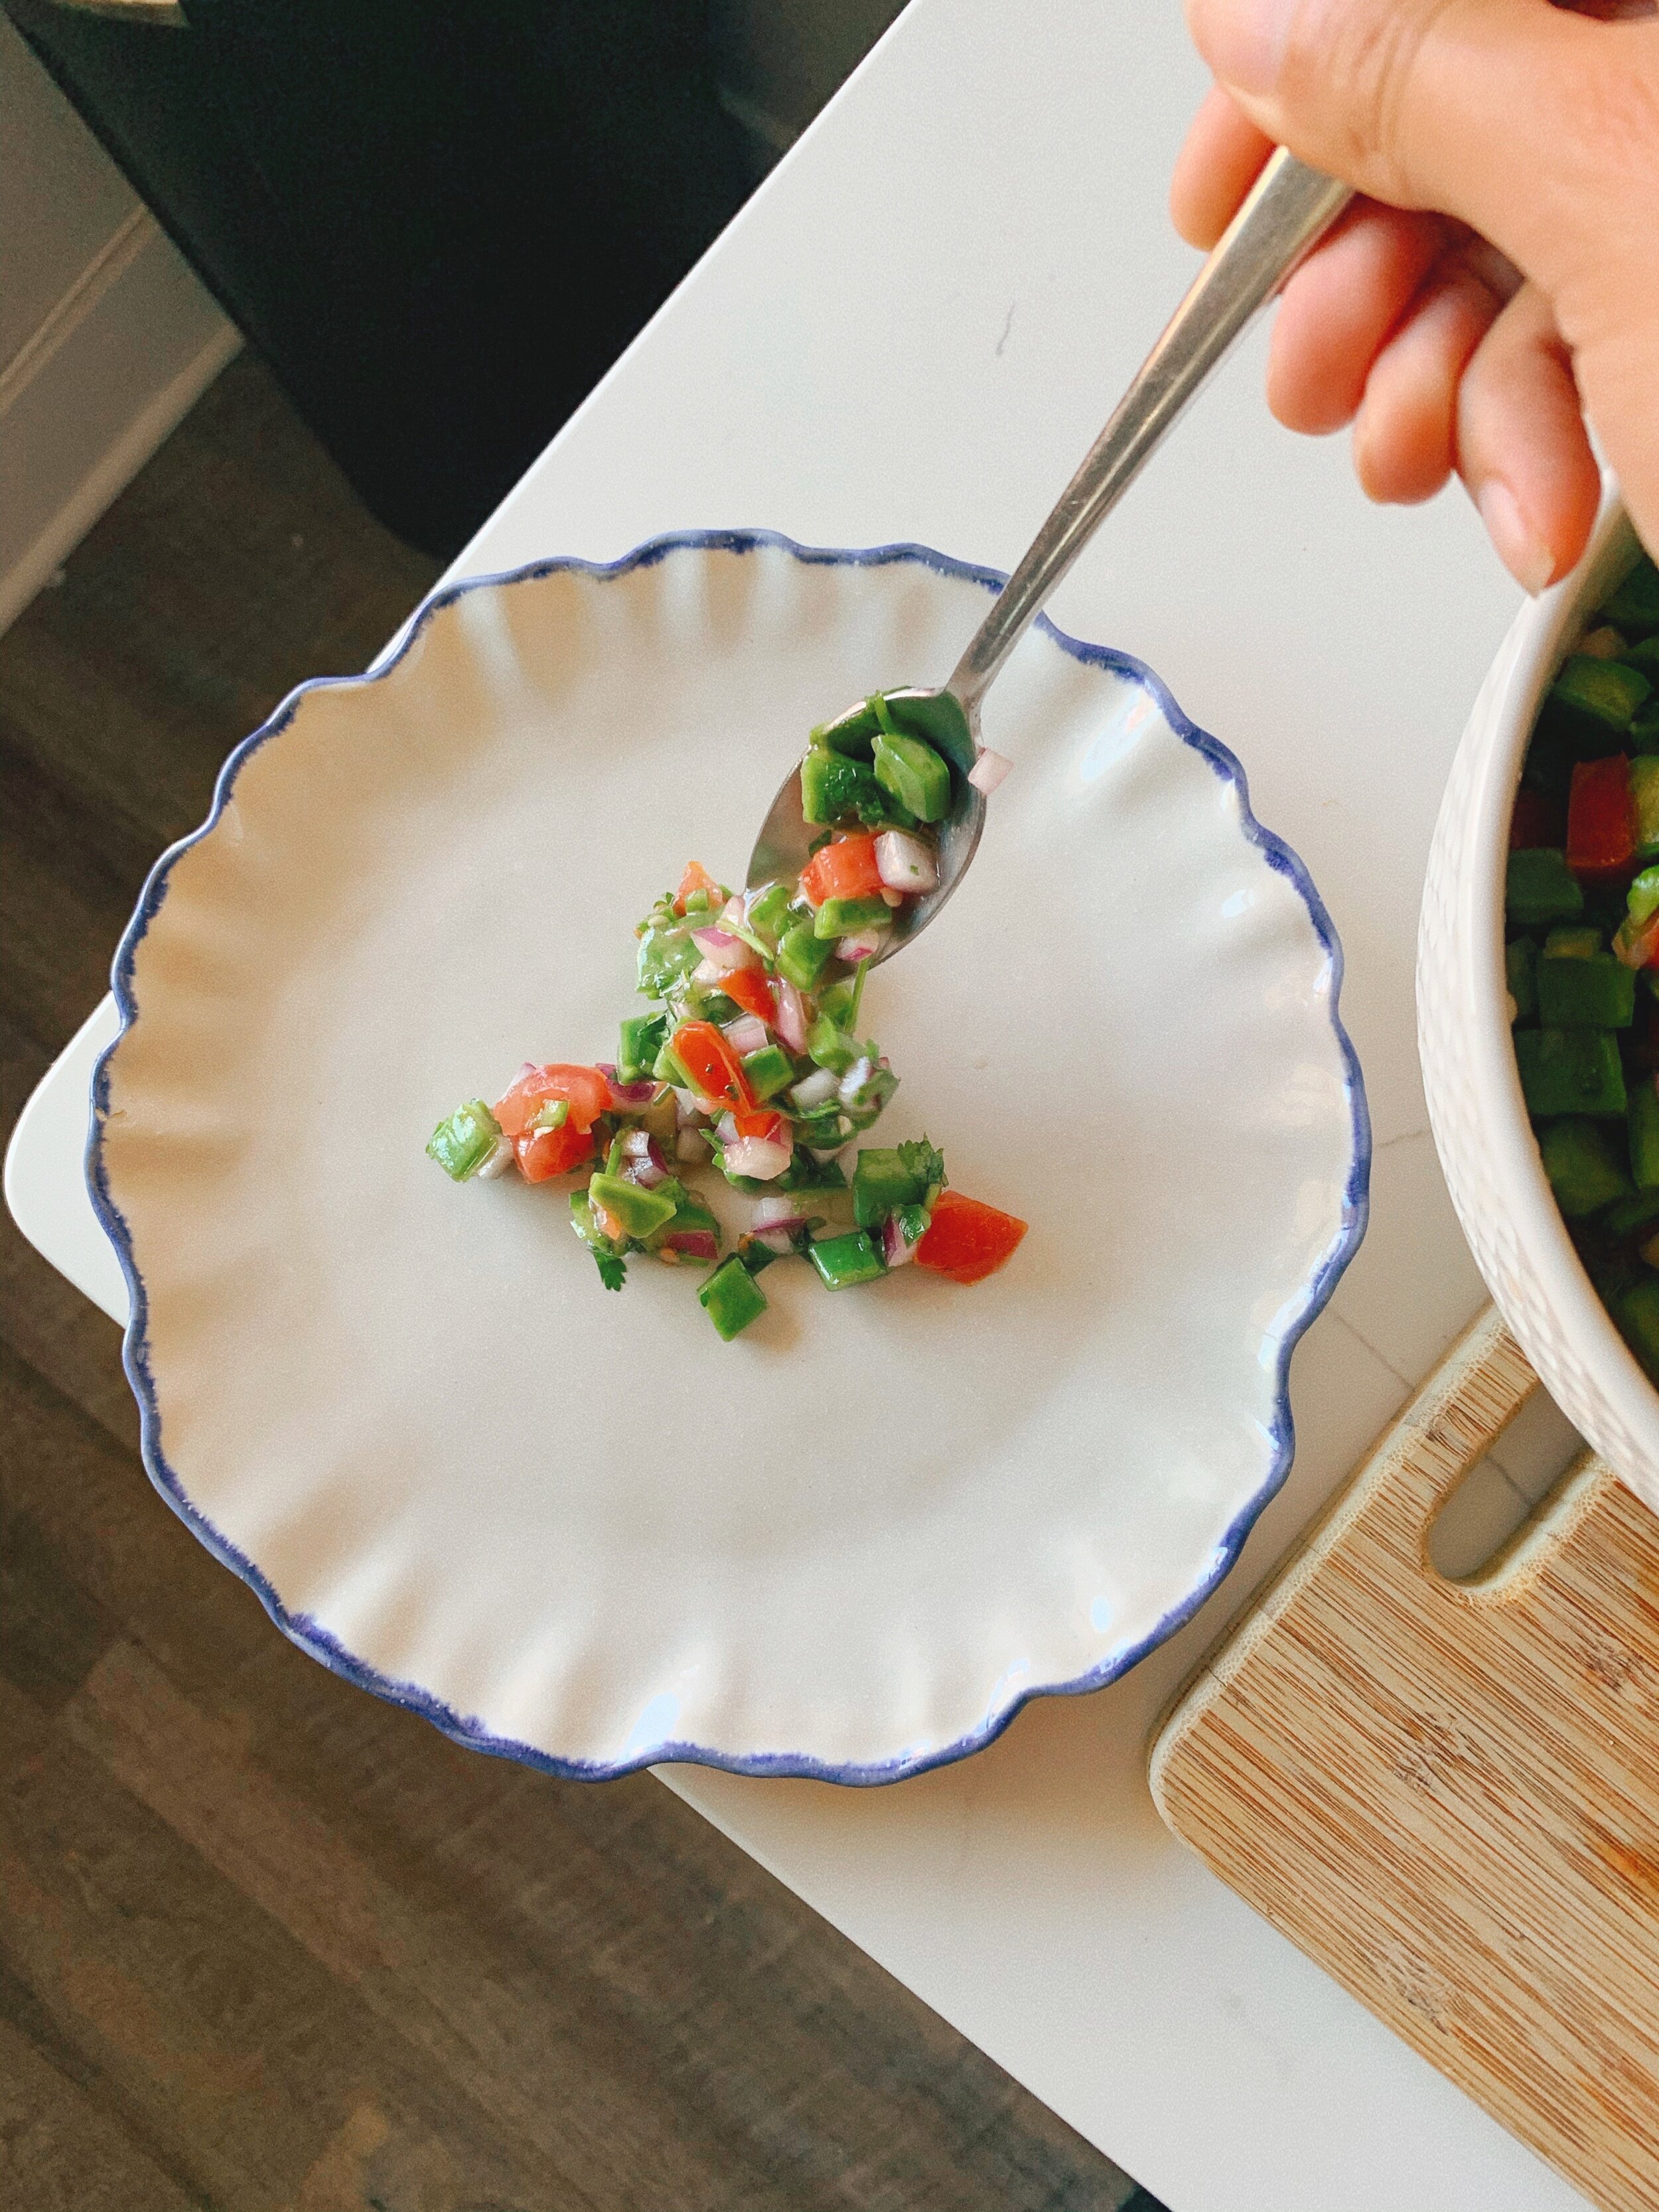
point(912, 332)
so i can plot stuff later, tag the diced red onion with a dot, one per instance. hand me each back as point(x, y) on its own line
point(791, 1022)
point(696, 1244)
point(773, 1212)
point(689, 1104)
point(894, 1248)
point(987, 771)
point(499, 1161)
point(813, 1091)
point(905, 863)
point(864, 946)
point(628, 1098)
point(776, 1240)
point(724, 952)
point(646, 1164)
point(746, 1035)
point(757, 1157)
point(734, 911)
point(853, 1081)
point(727, 1129)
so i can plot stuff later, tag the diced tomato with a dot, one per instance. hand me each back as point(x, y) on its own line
point(714, 1069)
point(543, 1153)
point(763, 1123)
point(968, 1241)
point(846, 869)
point(695, 878)
point(1602, 827)
point(1536, 820)
point(755, 993)
point(585, 1089)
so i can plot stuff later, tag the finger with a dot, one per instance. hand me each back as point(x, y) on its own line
point(1405, 439)
point(1338, 310)
point(1219, 161)
point(1523, 448)
point(1458, 104)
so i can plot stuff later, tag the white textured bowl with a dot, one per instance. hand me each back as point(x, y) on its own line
point(578, 1529)
point(1486, 1146)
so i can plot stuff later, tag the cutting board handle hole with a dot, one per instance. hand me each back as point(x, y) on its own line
point(1496, 1520)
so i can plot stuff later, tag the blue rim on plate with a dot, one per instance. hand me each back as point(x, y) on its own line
point(314, 1639)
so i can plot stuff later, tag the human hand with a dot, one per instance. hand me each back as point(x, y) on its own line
point(1498, 290)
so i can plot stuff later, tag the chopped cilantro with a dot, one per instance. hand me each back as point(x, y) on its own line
point(920, 1158)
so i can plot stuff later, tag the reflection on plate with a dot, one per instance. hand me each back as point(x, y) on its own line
point(577, 1528)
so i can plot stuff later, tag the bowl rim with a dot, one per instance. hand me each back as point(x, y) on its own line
point(1317, 1289)
point(1508, 707)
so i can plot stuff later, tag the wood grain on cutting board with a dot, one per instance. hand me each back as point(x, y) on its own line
point(1447, 1793)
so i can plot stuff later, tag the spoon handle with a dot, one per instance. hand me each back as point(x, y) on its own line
point(1288, 210)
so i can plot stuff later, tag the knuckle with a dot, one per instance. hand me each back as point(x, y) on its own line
point(1614, 122)
point(1361, 64)
point(1596, 251)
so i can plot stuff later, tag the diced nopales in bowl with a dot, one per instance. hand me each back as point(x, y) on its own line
point(752, 1063)
point(1582, 950)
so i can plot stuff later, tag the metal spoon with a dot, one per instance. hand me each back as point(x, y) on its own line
point(1288, 211)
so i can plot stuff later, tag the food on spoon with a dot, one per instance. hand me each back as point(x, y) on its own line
point(1582, 956)
point(753, 1062)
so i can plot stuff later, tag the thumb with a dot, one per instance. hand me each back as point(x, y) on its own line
point(1495, 111)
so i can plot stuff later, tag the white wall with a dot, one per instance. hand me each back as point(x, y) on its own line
point(105, 336)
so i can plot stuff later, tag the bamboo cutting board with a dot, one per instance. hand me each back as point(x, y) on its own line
point(1447, 1793)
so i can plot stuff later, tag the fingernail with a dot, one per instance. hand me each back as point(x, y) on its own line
point(1525, 555)
point(1243, 40)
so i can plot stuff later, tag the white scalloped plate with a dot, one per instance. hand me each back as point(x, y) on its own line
point(576, 1528)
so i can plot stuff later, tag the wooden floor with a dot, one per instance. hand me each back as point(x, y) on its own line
point(264, 1941)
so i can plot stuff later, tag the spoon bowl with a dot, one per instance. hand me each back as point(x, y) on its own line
point(1285, 214)
point(787, 837)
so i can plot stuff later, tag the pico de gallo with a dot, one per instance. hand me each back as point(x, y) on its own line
point(753, 1065)
point(1582, 950)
